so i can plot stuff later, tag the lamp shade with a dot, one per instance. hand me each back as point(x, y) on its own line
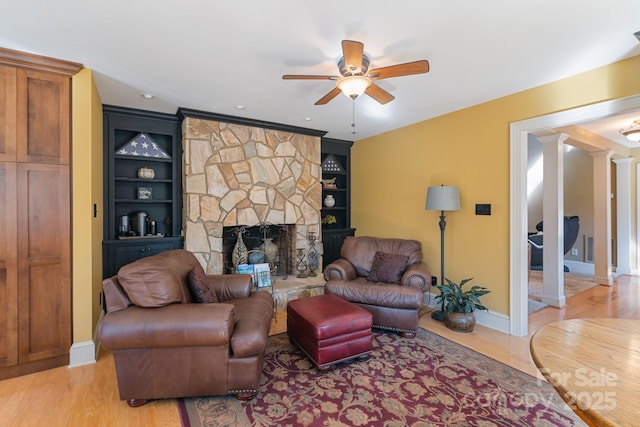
point(353, 86)
point(442, 198)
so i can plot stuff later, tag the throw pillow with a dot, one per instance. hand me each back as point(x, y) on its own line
point(387, 267)
point(199, 285)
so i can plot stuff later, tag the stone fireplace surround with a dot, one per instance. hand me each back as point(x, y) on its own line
point(236, 174)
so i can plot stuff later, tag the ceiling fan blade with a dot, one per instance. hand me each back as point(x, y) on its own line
point(328, 97)
point(416, 67)
point(352, 52)
point(307, 77)
point(379, 94)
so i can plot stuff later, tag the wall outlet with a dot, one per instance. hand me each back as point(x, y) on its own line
point(574, 252)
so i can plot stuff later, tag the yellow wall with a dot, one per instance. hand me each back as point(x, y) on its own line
point(86, 190)
point(468, 148)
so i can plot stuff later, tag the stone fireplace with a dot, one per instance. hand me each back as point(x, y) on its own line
point(238, 175)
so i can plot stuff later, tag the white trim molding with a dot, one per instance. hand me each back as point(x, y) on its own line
point(86, 352)
point(518, 313)
point(82, 353)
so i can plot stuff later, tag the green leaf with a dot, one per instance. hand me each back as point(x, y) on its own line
point(459, 301)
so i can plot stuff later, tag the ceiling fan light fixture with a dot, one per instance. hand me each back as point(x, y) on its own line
point(353, 86)
point(633, 133)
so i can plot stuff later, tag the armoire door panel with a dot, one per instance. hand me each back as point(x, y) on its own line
point(43, 134)
point(8, 267)
point(48, 327)
point(7, 113)
point(44, 289)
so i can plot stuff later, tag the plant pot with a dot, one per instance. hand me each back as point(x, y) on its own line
point(460, 322)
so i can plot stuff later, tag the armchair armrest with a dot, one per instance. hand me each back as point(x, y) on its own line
point(230, 286)
point(417, 276)
point(340, 269)
point(174, 325)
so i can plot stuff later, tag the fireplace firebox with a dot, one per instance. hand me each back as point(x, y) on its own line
point(253, 238)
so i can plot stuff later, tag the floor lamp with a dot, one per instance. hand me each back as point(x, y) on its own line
point(442, 199)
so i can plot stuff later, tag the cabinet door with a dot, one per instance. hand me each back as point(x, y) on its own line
point(127, 253)
point(44, 288)
point(332, 244)
point(7, 113)
point(43, 105)
point(8, 267)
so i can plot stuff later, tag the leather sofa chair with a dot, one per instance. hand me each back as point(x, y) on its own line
point(165, 345)
point(385, 276)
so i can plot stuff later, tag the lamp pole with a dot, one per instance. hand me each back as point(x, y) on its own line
point(439, 314)
point(442, 199)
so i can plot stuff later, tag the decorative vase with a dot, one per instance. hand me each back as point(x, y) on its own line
point(329, 201)
point(460, 322)
point(146, 173)
point(239, 253)
point(270, 250)
point(256, 256)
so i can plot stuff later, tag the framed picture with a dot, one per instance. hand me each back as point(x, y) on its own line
point(144, 193)
point(245, 269)
point(262, 274)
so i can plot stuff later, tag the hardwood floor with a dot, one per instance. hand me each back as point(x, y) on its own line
point(88, 395)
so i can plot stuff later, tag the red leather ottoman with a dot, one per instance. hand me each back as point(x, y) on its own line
point(329, 329)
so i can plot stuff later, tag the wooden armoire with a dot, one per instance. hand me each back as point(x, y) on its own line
point(35, 212)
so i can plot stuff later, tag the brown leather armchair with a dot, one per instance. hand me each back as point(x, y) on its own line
point(166, 346)
point(385, 276)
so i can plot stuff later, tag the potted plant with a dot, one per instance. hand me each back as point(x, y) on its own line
point(460, 305)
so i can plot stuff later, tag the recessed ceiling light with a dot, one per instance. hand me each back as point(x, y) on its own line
point(308, 119)
point(146, 95)
point(240, 107)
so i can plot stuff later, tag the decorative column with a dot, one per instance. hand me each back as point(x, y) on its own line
point(602, 217)
point(553, 217)
point(623, 221)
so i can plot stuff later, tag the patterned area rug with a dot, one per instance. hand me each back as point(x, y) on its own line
point(427, 381)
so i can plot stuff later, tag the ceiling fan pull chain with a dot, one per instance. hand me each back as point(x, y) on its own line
point(353, 115)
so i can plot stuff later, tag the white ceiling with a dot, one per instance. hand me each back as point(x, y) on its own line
point(212, 55)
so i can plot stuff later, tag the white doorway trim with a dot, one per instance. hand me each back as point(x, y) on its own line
point(518, 313)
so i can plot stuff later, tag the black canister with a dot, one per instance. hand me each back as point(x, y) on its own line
point(123, 227)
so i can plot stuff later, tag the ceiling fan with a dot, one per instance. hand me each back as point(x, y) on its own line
point(356, 78)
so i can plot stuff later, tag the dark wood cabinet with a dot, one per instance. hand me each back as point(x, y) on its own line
point(336, 215)
point(119, 253)
point(136, 143)
point(35, 212)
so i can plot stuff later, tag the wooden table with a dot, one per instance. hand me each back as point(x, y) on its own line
point(594, 364)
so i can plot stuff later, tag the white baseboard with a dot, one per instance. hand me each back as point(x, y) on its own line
point(490, 319)
point(82, 353)
point(85, 353)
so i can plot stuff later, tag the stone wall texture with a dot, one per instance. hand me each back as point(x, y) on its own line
point(240, 175)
